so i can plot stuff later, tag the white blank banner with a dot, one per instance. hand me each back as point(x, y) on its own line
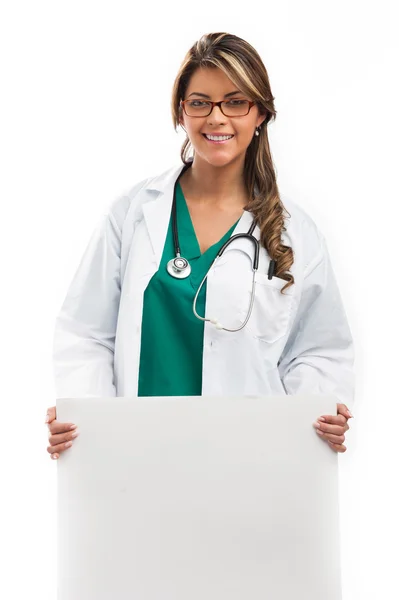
point(198, 498)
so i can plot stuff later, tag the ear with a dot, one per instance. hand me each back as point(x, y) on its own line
point(181, 119)
point(260, 120)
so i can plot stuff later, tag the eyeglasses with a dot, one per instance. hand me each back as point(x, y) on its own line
point(230, 108)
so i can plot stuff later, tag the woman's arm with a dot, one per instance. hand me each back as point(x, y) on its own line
point(318, 357)
point(84, 336)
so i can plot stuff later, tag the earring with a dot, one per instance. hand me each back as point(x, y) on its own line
point(257, 131)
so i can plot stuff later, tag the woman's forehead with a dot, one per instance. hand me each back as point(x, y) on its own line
point(210, 80)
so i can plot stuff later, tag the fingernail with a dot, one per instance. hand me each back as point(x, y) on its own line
point(321, 419)
point(73, 427)
point(75, 434)
point(47, 419)
point(349, 413)
point(68, 444)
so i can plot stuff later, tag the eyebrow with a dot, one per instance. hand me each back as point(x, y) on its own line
point(206, 96)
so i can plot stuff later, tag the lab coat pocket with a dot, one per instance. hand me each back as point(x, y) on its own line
point(271, 311)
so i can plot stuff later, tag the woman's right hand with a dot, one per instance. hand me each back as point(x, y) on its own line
point(61, 435)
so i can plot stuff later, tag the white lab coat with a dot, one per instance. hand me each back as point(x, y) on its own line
point(299, 343)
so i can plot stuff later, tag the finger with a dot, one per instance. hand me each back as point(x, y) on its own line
point(56, 427)
point(60, 438)
point(337, 447)
point(58, 448)
point(334, 429)
point(340, 420)
point(336, 439)
point(344, 410)
point(54, 456)
point(51, 414)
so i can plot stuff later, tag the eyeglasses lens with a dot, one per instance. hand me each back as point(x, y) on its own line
point(230, 108)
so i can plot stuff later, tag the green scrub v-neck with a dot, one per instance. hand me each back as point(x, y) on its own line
point(171, 335)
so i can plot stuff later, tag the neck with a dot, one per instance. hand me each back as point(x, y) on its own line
point(219, 186)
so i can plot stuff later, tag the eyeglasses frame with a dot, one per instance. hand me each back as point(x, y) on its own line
point(219, 104)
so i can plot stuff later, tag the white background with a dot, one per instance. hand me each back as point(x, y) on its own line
point(85, 114)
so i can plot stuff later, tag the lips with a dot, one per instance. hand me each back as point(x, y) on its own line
point(220, 142)
point(217, 134)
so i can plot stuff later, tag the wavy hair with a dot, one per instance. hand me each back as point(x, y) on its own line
point(244, 67)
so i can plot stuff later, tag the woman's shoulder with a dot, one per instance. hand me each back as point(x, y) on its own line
point(144, 190)
point(298, 216)
point(158, 182)
point(303, 233)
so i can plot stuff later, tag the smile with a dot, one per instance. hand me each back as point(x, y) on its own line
point(218, 139)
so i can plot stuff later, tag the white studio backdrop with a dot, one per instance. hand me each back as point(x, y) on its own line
point(85, 114)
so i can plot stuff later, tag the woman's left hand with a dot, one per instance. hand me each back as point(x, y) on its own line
point(333, 427)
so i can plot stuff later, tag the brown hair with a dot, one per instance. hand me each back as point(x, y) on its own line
point(243, 65)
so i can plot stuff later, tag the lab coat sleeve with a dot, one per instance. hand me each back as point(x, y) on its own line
point(318, 357)
point(84, 336)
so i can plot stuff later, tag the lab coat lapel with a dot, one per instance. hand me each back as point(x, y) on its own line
point(157, 211)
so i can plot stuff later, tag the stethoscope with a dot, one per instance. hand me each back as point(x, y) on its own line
point(180, 268)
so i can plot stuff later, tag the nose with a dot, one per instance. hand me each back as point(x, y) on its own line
point(217, 114)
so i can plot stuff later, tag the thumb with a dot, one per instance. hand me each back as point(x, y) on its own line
point(51, 414)
point(344, 410)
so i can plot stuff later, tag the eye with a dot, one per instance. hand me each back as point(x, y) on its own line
point(197, 103)
point(236, 102)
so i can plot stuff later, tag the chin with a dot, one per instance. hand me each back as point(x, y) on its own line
point(219, 161)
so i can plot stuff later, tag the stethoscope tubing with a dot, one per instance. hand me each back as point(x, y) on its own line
point(214, 321)
point(255, 262)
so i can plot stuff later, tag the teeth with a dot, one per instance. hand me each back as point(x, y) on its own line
point(218, 137)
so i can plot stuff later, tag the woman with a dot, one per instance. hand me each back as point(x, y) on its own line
point(128, 326)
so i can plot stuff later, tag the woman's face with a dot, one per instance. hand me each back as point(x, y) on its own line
point(213, 83)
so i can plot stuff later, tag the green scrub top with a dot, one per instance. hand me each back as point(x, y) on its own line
point(171, 335)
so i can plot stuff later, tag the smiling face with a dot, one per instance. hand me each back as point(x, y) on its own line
point(213, 84)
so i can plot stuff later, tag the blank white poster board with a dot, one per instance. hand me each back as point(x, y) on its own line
point(198, 498)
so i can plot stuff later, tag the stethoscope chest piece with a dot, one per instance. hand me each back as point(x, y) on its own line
point(179, 267)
